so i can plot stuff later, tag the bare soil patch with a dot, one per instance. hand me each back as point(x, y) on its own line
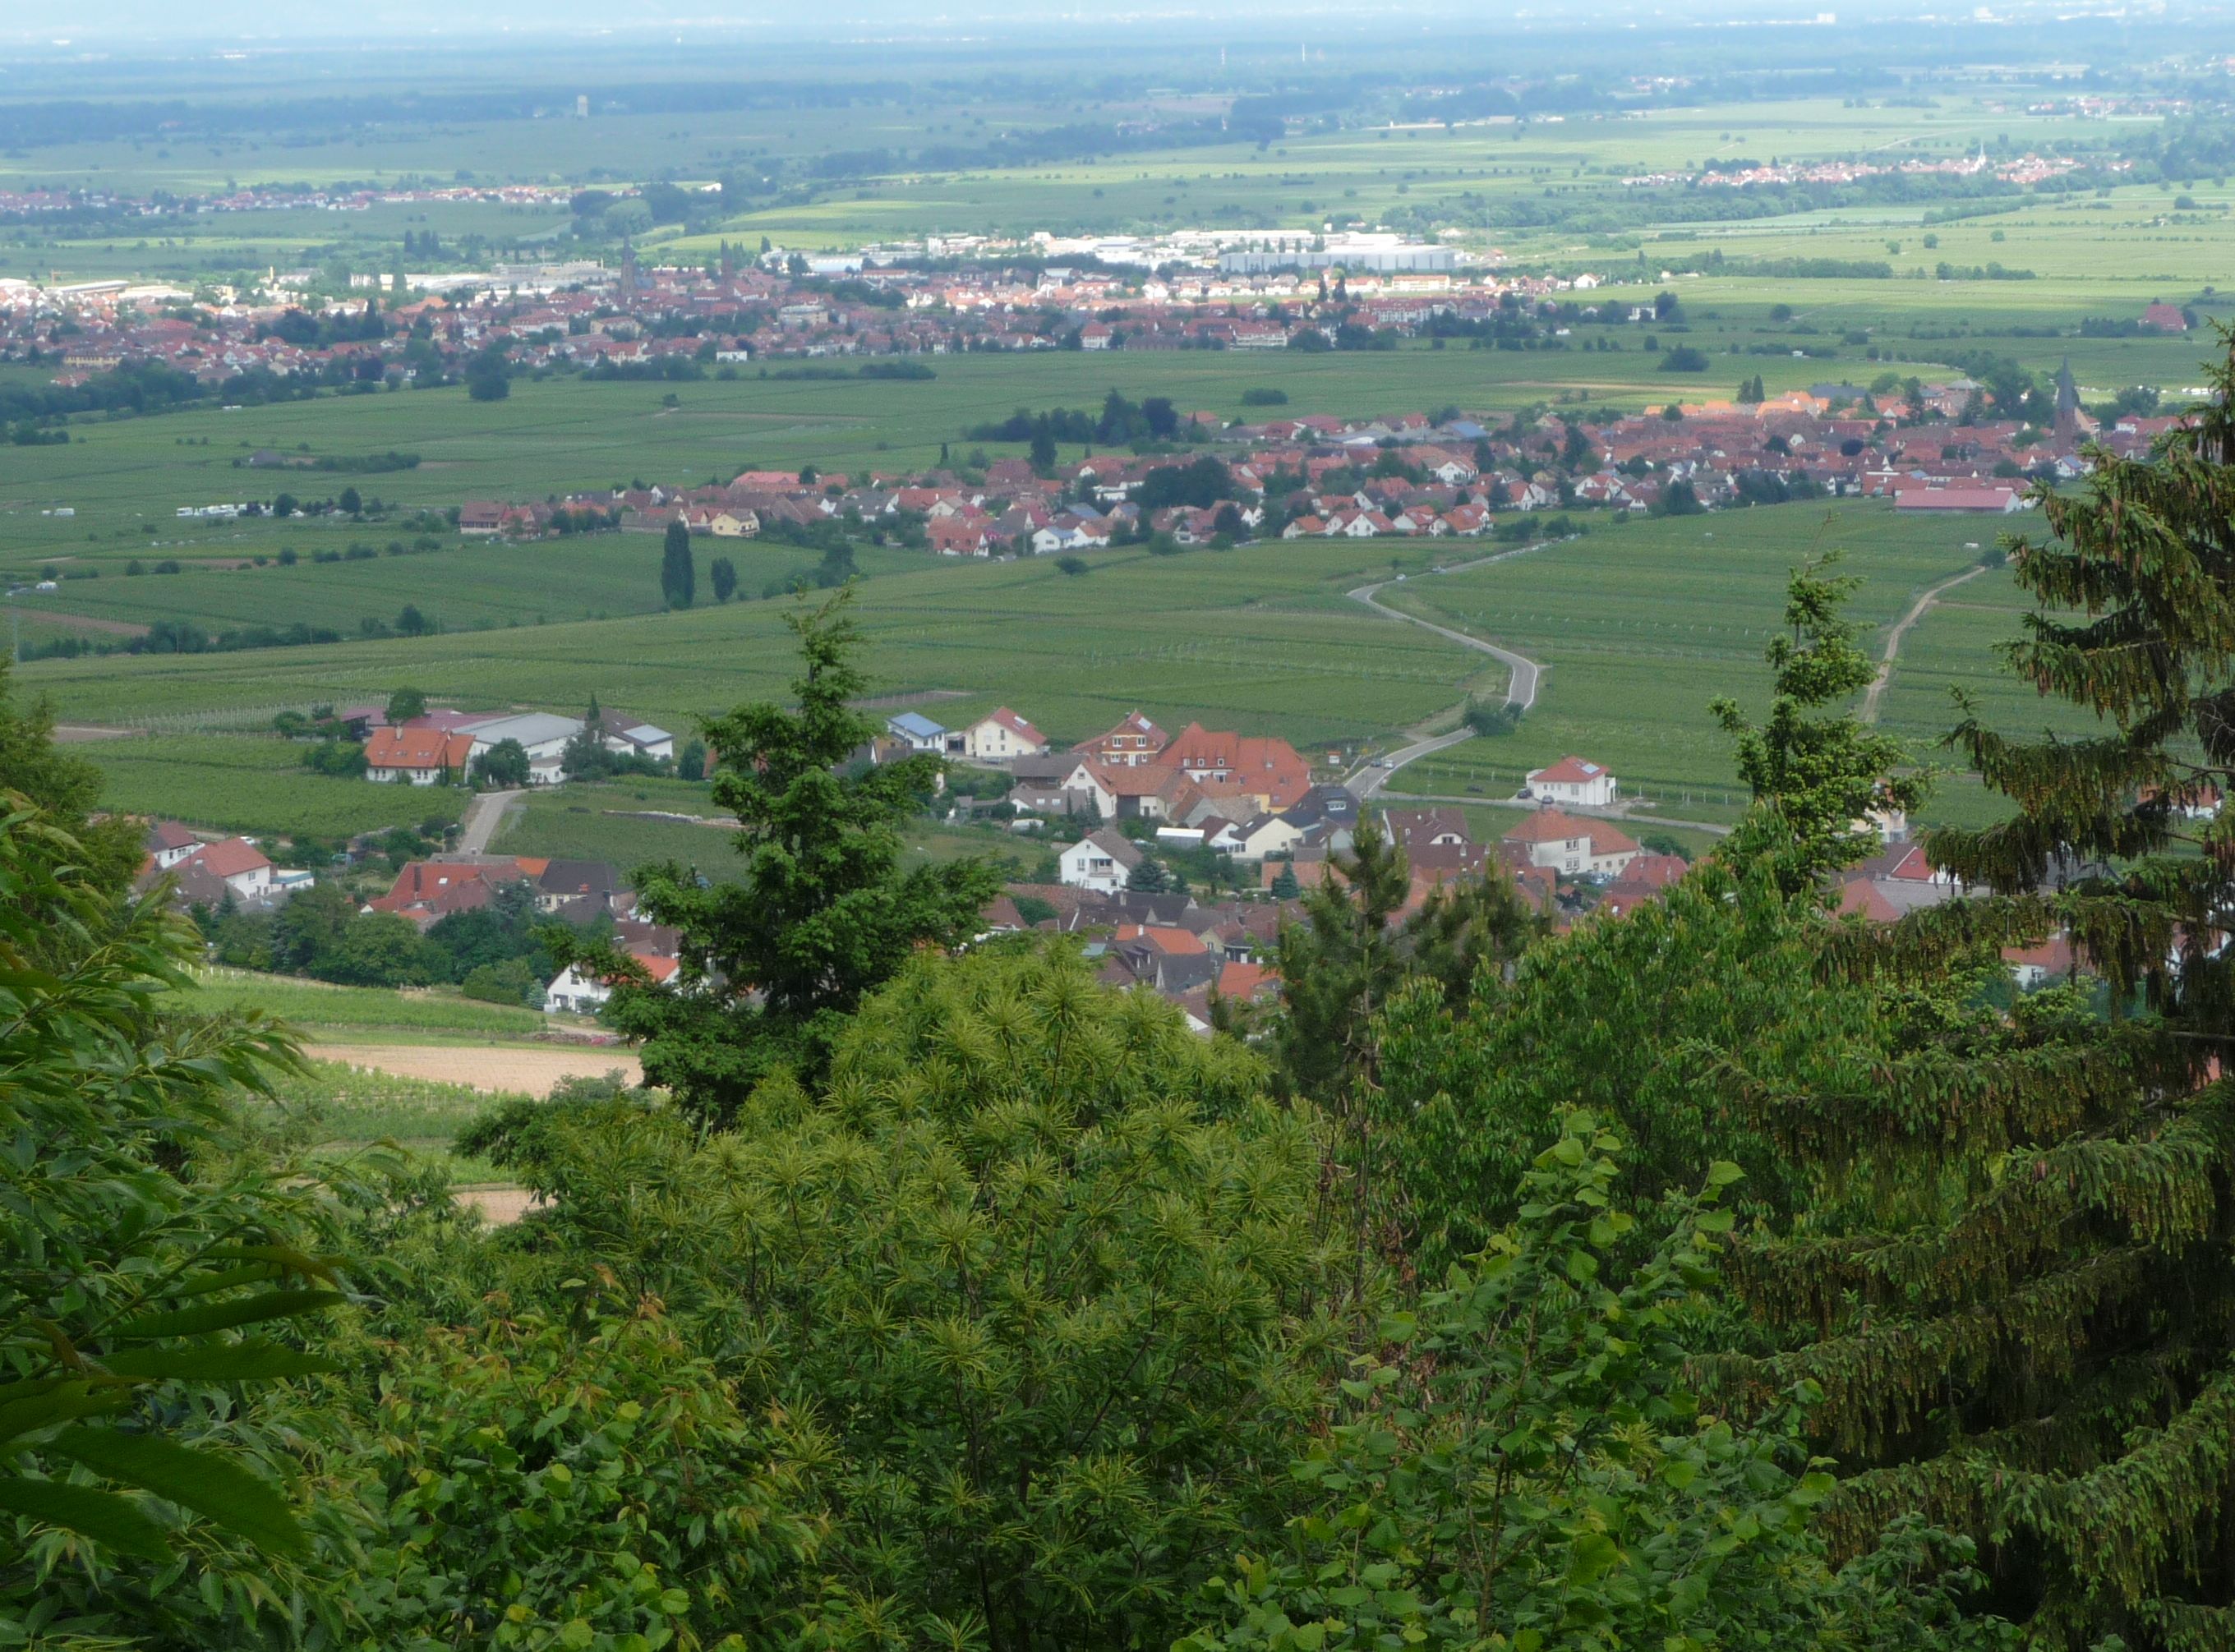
point(484, 1067)
point(498, 1206)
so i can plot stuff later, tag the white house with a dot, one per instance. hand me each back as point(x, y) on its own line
point(572, 993)
point(1100, 861)
point(920, 732)
point(416, 756)
point(1259, 835)
point(1562, 844)
point(168, 843)
point(237, 864)
point(1574, 781)
point(630, 737)
point(999, 735)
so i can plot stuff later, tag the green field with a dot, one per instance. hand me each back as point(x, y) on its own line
point(1641, 627)
point(254, 785)
point(1259, 636)
point(315, 1010)
point(617, 823)
point(473, 585)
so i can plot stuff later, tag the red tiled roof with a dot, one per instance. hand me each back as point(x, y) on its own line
point(417, 749)
point(231, 857)
point(1570, 771)
point(1556, 826)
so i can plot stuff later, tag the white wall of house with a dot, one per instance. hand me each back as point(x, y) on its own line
point(990, 740)
point(252, 885)
point(1087, 864)
point(1596, 793)
point(572, 993)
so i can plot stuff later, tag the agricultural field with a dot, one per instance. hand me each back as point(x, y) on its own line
point(630, 823)
point(1262, 638)
point(1640, 625)
point(241, 783)
point(334, 1108)
point(465, 585)
point(358, 1015)
point(1643, 626)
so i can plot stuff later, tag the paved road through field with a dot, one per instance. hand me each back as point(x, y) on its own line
point(1520, 690)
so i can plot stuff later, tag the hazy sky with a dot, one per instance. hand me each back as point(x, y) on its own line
point(112, 22)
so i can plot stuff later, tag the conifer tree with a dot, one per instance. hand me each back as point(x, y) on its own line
point(1815, 777)
point(678, 578)
point(2019, 1299)
point(820, 911)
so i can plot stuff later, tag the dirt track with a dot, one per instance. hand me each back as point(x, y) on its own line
point(484, 1067)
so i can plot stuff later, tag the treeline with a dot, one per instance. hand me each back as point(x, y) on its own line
point(905, 370)
point(1120, 421)
point(1785, 269)
point(347, 463)
point(150, 387)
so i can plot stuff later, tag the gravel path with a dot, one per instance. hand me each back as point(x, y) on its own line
point(1869, 713)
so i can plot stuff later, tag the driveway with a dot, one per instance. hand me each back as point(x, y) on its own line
point(480, 825)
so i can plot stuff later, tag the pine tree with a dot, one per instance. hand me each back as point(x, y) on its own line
point(677, 576)
point(1148, 877)
point(1815, 778)
point(821, 909)
point(2023, 1320)
point(1285, 886)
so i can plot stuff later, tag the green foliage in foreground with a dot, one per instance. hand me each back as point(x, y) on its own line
point(1527, 1467)
point(146, 1279)
point(1041, 1262)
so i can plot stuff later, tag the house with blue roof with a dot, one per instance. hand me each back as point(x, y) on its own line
point(920, 733)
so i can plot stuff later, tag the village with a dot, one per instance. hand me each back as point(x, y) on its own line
point(1126, 816)
point(1411, 475)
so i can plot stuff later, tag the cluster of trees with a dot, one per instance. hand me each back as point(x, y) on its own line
point(1121, 422)
point(496, 952)
point(1729, 1275)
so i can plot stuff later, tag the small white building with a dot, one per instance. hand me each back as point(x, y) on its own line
point(1575, 781)
point(631, 737)
point(168, 843)
point(919, 732)
point(1100, 861)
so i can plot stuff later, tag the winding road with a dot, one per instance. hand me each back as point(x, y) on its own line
point(1521, 689)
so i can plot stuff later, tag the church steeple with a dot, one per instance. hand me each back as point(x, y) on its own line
point(2068, 404)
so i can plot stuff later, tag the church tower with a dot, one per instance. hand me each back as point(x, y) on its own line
point(2068, 408)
